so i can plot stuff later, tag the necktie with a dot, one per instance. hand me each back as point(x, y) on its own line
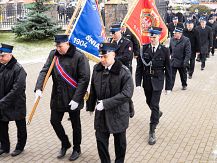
point(153, 50)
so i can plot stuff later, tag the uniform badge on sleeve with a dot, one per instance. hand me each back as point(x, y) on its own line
point(130, 48)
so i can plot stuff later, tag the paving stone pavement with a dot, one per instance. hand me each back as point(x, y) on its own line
point(187, 131)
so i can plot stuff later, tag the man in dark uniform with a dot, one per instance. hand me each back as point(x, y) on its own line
point(130, 36)
point(124, 54)
point(125, 50)
point(12, 100)
point(193, 35)
point(110, 93)
point(206, 40)
point(70, 75)
point(152, 65)
point(180, 49)
point(173, 25)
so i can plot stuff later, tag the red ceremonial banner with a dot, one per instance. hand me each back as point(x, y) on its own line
point(142, 17)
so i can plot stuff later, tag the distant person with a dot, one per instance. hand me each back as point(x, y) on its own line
point(180, 50)
point(173, 25)
point(206, 40)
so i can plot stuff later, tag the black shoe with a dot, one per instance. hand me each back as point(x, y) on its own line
point(74, 156)
point(160, 113)
point(3, 151)
point(212, 54)
point(202, 68)
point(152, 138)
point(190, 77)
point(16, 152)
point(184, 87)
point(62, 152)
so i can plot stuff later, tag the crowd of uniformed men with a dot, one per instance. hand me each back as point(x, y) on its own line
point(111, 88)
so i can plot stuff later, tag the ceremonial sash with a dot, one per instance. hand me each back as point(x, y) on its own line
point(64, 75)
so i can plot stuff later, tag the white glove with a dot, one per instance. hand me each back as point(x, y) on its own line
point(74, 105)
point(38, 93)
point(100, 106)
point(167, 92)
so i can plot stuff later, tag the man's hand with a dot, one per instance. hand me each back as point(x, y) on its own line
point(38, 93)
point(74, 105)
point(167, 92)
point(100, 106)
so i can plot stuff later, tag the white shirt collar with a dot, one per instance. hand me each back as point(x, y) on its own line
point(155, 47)
point(109, 68)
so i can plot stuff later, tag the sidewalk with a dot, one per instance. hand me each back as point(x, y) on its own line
point(187, 131)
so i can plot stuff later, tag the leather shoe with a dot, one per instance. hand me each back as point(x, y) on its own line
point(160, 113)
point(184, 87)
point(74, 155)
point(190, 77)
point(16, 152)
point(62, 152)
point(3, 151)
point(152, 138)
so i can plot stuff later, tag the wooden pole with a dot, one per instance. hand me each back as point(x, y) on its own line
point(52, 63)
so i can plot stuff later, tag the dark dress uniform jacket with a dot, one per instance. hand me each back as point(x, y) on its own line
point(115, 88)
point(180, 52)
point(75, 65)
point(206, 38)
point(125, 52)
point(193, 35)
point(160, 66)
point(12, 91)
point(129, 35)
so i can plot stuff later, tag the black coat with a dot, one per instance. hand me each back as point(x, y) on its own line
point(206, 38)
point(193, 35)
point(130, 36)
point(160, 66)
point(125, 52)
point(12, 91)
point(180, 51)
point(76, 65)
point(115, 88)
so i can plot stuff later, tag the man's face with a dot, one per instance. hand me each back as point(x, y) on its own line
point(107, 59)
point(5, 58)
point(177, 35)
point(116, 35)
point(190, 26)
point(154, 39)
point(62, 48)
point(211, 21)
point(175, 21)
point(203, 23)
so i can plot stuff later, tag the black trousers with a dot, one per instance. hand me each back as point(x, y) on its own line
point(120, 142)
point(182, 73)
point(192, 64)
point(203, 59)
point(56, 118)
point(153, 100)
point(21, 135)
